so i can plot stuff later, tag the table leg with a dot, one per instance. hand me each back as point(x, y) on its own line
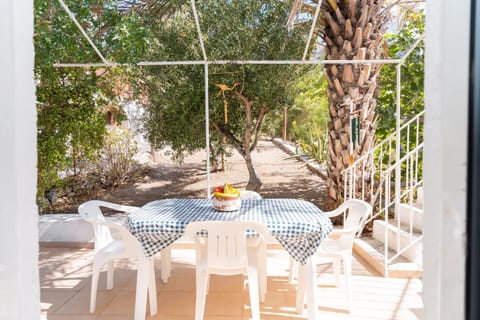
point(166, 255)
point(306, 285)
point(142, 287)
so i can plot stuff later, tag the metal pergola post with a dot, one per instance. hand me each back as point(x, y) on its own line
point(207, 132)
point(398, 180)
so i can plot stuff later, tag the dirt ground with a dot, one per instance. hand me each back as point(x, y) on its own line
point(281, 177)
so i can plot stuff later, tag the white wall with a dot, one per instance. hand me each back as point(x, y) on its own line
point(446, 91)
point(19, 283)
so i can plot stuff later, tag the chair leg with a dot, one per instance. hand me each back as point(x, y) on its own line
point(292, 272)
point(347, 265)
point(310, 286)
point(93, 290)
point(152, 287)
point(336, 271)
point(166, 256)
point(300, 290)
point(142, 287)
point(110, 274)
point(253, 291)
point(201, 293)
point(262, 270)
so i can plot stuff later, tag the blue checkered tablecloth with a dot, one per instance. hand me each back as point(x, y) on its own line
point(297, 224)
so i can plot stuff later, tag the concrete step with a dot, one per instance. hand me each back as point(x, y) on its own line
point(373, 251)
point(403, 233)
point(413, 213)
point(420, 197)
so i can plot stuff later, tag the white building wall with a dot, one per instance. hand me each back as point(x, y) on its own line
point(445, 160)
point(19, 283)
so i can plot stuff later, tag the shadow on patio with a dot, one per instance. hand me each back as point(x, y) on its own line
point(65, 291)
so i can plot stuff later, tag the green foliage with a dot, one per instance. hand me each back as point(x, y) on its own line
point(412, 86)
point(71, 124)
point(309, 113)
point(232, 30)
point(412, 75)
point(315, 148)
point(70, 127)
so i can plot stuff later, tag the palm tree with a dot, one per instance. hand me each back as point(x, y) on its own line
point(351, 30)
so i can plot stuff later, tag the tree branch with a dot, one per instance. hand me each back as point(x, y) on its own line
point(235, 142)
point(258, 126)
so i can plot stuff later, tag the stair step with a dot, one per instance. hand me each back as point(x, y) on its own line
point(405, 239)
point(413, 213)
point(420, 196)
point(372, 251)
point(404, 227)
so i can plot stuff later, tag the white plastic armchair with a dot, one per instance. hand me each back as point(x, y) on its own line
point(225, 252)
point(108, 247)
point(338, 247)
point(248, 194)
point(262, 268)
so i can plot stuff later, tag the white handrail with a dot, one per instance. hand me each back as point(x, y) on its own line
point(391, 182)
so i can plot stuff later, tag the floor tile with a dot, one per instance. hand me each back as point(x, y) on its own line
point(65, 291)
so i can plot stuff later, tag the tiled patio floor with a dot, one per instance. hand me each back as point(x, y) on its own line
point(65, 291)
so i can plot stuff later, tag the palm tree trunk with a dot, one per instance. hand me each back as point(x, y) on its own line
point(353, 31)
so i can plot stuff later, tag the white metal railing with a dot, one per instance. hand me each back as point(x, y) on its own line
point(362, 180)
point(387, 177)
point(405, 238)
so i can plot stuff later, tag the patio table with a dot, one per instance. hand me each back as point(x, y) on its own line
point(298, 225)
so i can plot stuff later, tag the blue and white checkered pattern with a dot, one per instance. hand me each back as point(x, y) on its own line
point(297, 224)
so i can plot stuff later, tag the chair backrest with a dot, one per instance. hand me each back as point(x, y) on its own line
point(358, 213)
point(90, 211)
point(248, 194)
point(226, 243)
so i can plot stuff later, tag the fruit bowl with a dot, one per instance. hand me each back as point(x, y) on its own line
point(226, 198)
point(227, 204)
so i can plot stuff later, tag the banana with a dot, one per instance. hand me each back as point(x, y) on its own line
point(229, 192)
point(225, 195)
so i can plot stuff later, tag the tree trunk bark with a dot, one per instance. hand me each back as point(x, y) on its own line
point(246, 145)
point(254, 182)
point(353, 31)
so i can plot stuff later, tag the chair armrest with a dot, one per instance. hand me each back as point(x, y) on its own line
point(333, 213)
point(340, 232)
point(336, 212)
point(116, 226)
point(117, 207)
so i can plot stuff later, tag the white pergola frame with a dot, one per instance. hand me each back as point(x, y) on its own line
point(206, 62)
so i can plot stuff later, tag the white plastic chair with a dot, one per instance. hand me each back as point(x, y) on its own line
point(113, 241)
point(338, 247)
point(248, 194)
point(262, 268)
point(225, 252)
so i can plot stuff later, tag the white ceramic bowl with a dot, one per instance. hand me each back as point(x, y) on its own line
point(232, 203)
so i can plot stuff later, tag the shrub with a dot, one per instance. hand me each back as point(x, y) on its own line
point(116, 160)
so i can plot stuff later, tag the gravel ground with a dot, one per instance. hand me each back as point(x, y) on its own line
point(281, 177)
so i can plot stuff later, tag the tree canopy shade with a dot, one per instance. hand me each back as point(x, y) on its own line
point(72, 102)
point(70, 122)
point(246, 30)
